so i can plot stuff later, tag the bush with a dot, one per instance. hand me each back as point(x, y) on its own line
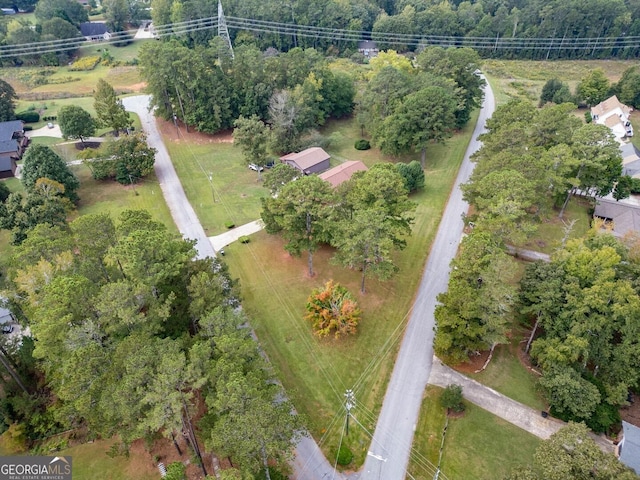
point(362, 144)
point(345, 455)
point(85, 63)
point(451, 398)
point(244, 239)
point(587, 117)
point(229, 224)
point(27, 128)
point(28, 116)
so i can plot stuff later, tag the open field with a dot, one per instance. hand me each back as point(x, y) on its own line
point(525, 79)
point(316, 372)
point(478, 445)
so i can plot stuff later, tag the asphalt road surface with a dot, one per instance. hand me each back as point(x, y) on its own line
point(390, 448)
point(182, 212)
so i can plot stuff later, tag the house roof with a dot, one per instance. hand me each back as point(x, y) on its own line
point(307, 158)
point(340, 174)
point(6, 163)
point(625, 214)
point(8, 146)
point(608, 106)
point(5, 316)
point(7, 129)
point(630, 454)
point(367, 45)
point(630, 159)
point(93, 29)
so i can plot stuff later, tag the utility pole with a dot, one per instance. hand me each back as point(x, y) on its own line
point(349, 404)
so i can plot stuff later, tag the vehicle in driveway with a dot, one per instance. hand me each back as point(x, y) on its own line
point(49, 125)
point(255, 168)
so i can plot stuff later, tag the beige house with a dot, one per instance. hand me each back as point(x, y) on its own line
point(614, 115)
point(311, 160)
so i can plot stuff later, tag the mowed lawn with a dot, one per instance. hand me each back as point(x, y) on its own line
point(477, 446)
point(316, 372)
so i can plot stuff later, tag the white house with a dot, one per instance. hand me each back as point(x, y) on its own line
point(614, 115)
point(94, 31)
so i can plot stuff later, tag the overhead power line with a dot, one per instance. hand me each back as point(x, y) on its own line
point(337, 35)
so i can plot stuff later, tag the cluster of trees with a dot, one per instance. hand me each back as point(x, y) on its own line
point(128, 328)
point(533, 160)
point(50, 191)
point(572, 453)
point(585, 305)
point(406, 107)
point(57, 20)
point(293, 91)
point(332, 309)
point(365, 219)
point(594, 88)
point(598, 20)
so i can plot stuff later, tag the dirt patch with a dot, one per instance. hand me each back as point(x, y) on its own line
point(475, 362)
point(180, 134)
point(82, 146)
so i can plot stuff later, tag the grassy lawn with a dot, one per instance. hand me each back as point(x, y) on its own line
point(111, 197)
point(232, 195)
point(90, 461)
point(477, 446)
point(275, 286)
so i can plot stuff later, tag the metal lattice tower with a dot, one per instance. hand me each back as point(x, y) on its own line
point(223, 31)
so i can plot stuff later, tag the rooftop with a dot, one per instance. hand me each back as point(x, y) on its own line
point(307, 158)
point(341, 173)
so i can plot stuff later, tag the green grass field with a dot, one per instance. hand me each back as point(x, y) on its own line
point(478, 445)
point(315, 371)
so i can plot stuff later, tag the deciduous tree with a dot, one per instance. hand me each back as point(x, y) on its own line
point(42, 162)
point(7, 101)
point(76, 122)
point(332, 309)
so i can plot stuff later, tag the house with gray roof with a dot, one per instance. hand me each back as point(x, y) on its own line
point(95, 31)
point(630, 160)
point(12, 146)
point(622, 215)
point(311, 160)
point(628, 450)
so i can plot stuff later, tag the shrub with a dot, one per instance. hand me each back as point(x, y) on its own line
point(332, 309)
point(362, 144)
point(244, 239)
point(229, 224)
point(587, 117)
point(85, 63)
point(28, 116)
point(451, 398)
point(27, 128)
point(345, 455)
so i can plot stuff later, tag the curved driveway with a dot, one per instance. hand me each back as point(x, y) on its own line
point(182, 212)
point(391, 444)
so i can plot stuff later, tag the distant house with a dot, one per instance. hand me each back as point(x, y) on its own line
point(630, 160)
point(623, 214)
point(614, 115)
point(6, 316)
point(340, 174)
point(628, 450)
point(368, 48)
point(8, 11)
point(12, 146)
point(311, 160)
point(94, 31)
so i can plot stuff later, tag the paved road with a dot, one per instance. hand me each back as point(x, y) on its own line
point(504, 407)
point(182, 212)
point(393, 436)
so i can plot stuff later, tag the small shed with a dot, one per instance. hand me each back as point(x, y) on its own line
point(628, 450)
point(343, 172)
point(311, 160)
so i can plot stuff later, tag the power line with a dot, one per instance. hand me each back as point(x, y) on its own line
point(337, 34)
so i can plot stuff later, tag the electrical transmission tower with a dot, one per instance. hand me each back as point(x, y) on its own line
point(223, 31)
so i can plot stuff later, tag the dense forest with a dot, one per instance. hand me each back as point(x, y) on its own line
point(580, 29)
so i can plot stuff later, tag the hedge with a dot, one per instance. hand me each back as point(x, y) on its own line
point(28, 116)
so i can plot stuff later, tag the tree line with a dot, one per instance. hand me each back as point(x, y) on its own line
point(132, 336)
point(581, 305)
point(492, 20)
